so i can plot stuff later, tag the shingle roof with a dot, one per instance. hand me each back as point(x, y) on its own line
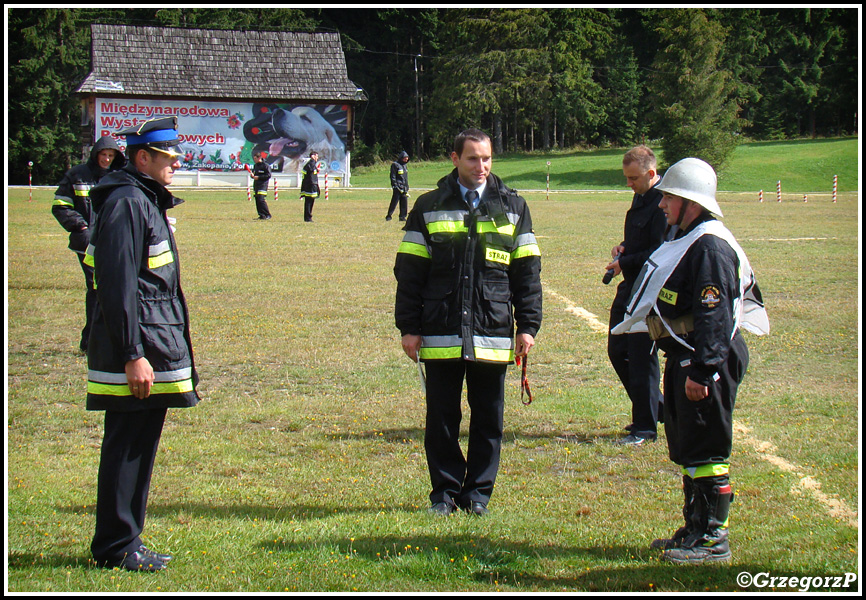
point(217, 63)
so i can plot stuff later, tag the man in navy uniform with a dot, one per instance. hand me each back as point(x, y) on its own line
point(140, 360)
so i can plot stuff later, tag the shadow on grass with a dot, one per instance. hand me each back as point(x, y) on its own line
point(527, 566)
point(416, 434)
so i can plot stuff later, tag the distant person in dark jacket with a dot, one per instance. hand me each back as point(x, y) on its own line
point(310, 185)
point(261, 175)
point(400, 186)
point(72, 210)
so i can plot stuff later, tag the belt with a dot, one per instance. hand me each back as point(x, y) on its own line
point(681, 326)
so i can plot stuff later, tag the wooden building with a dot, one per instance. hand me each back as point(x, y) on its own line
point(234, 92)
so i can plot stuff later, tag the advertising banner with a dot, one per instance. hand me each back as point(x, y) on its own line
point(222, 136)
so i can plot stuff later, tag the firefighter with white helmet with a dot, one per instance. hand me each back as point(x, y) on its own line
point(698, 291)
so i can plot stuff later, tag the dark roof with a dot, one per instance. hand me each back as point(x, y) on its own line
point(218, 63)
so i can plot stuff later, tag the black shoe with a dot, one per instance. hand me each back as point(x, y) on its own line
point(388, 218)
point(163, 558)
point(137, 561)
point(441, 509)
point(478, 509)
point(402, 218)
point(629, 427)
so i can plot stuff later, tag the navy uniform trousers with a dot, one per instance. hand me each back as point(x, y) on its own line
point(456, 479)
point(128, 451)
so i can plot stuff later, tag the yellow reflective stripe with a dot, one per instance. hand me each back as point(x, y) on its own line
point(527, 250)
point(499, 256)
point(494, 354)
point(161, 260)
point(88, 255)
point(441, 353)
point(61, 201)
point(107, 389)
point(668, 296)
point(412, 248)
point(711, 470)
point(447, 227)
point(490, 227)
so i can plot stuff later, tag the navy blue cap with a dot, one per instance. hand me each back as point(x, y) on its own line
point(158, 134)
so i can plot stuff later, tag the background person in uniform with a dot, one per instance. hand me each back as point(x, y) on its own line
point(261, 175)
point(697, 291)
point(399, 186)
point(467, 270)
point(140, 360)
point(633, 356)
point(310, 185)
point(73, 211)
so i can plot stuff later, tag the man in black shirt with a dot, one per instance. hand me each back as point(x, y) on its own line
point(633, 357)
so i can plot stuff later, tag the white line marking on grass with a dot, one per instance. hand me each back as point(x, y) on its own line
point(579, 312)
point(837, 508)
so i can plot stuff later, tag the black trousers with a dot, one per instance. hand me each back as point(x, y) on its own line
point(309, 201)
point(457, 479)
point(128, 452)
point(399, 197)
point(701, 433)
point(262, 204)
point(89, 302)
point(637, 365)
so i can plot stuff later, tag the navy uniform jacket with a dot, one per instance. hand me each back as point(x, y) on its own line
point(141, 308)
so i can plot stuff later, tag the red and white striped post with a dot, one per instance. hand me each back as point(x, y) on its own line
point(30, 176)
point(779, 191)
point(835, 180)
point(761, 196)
point(276, 191)
point(326, 186)
point(805, 198)
point(548, 180)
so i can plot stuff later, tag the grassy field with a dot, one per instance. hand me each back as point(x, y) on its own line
point(303, 468)
point(803, 167)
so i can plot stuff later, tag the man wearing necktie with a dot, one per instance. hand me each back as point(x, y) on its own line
point(468, 274)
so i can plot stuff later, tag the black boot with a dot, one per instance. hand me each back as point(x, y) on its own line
point(708, 539)
point(688, 508)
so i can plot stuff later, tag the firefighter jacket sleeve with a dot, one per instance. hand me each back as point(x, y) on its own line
point(716, 285)
point(122, 232)
point(411, 270)
point(525, 277)
point(71, 206)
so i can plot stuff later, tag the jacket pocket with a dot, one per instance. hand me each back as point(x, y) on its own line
point(162, 331)
point(497, 318)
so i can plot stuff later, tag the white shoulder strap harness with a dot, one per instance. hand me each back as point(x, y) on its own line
point(749, 311)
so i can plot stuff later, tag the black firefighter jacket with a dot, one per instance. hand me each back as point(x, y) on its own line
point(704, 285)
point(141, 308)
point(464, 276)
point(71, 205)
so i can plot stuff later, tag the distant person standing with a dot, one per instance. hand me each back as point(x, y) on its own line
point(633, 356)
point(400, 186)
point(73, 211)
point(261, 175)
point(310, 185)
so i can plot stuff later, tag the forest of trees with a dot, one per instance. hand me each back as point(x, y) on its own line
point(694, 81)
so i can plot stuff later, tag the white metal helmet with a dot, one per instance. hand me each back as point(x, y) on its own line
point(692, 179)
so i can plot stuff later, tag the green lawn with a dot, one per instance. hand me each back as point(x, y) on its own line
point(803, 166)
